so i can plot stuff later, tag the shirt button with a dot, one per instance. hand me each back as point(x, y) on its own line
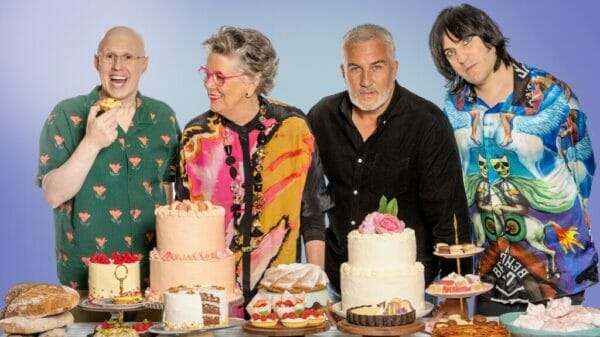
point(353, 222)
point(359, 160)
point(355, 192)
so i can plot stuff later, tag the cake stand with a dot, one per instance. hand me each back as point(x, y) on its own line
point(281, 331)
point(106, 304)
point(461, 296)
point(159, 329)
point(367, 331)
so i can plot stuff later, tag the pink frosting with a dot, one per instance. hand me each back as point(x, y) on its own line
point(379, 223)
point(155, 254)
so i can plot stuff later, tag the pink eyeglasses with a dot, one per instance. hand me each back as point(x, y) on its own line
point(217, 76)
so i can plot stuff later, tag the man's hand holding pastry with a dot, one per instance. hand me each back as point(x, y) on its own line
point(101, 129)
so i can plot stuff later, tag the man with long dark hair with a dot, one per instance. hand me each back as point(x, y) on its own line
point(527, 165)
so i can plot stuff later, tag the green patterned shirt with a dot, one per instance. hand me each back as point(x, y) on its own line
point(114, 210)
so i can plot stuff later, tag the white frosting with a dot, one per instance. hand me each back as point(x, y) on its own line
point(103, 283)
point(381, 267)
point(184, 308)
point(382, 251)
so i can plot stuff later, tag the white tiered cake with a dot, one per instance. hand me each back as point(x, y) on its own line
point(191, 250)
point(382, 266)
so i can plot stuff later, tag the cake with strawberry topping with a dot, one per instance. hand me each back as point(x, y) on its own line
point(287, 303)
point(190, 238)
point(382, 262)
point(264, 320)
point(294, 319)
point(107, 274)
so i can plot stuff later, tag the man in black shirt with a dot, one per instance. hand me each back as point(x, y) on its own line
point(377, 138)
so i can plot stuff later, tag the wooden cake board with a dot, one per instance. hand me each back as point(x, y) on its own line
point(368, 331)
point(281, 331)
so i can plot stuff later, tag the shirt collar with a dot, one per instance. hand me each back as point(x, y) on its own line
point(521, 90)
point(141, 116)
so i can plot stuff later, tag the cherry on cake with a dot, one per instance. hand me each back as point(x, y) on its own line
point(105, 275)
point(190, 238)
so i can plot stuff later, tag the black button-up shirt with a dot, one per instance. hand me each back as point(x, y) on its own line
point(411, 156)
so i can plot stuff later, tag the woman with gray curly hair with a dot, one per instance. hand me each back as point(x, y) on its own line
point(255, 157)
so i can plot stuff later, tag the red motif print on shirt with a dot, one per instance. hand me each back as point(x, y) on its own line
point(152, 116)
point(74, 284)
point(144, 141)
point(115, 214)
point(147, 186)
point(85, 260)
point(58, 141)
point(44, 159)
point(101, 241)
point(99, 189)
point(165, 138)
point(159, 162)
point(76, 120)
point(135, 162)
point(84, 216)
point(69, 236)
point(135, 214)
point(122, 142)
point(172, 118)
point(127, 239)
point(115, 169)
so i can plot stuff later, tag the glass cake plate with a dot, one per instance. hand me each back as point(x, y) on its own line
point(337, 308)
point(106, 305)
point(159, 328)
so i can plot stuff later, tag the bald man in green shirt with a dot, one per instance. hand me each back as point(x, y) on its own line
point(103, 173)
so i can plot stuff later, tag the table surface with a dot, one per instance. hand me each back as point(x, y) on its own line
point(85, 329)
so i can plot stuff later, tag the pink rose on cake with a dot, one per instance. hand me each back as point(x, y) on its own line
point(379, 223)
point(384, 220)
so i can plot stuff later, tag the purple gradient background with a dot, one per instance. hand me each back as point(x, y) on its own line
point(47, 49)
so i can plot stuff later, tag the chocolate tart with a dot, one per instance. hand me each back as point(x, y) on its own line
point(370, 315)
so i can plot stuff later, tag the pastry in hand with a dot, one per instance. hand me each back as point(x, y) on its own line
point(107, 104)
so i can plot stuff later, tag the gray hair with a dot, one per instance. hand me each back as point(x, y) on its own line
point(369, 32)
point(256, 55)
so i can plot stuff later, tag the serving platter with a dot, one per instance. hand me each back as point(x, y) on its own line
point(516, 331)
point(159, 328)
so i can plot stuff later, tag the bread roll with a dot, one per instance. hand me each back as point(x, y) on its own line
point(41, 300)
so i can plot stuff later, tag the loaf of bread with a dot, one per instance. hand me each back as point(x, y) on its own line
point(39, 300)
point(24, 325)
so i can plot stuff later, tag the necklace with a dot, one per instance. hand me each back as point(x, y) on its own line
point(236, 185)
